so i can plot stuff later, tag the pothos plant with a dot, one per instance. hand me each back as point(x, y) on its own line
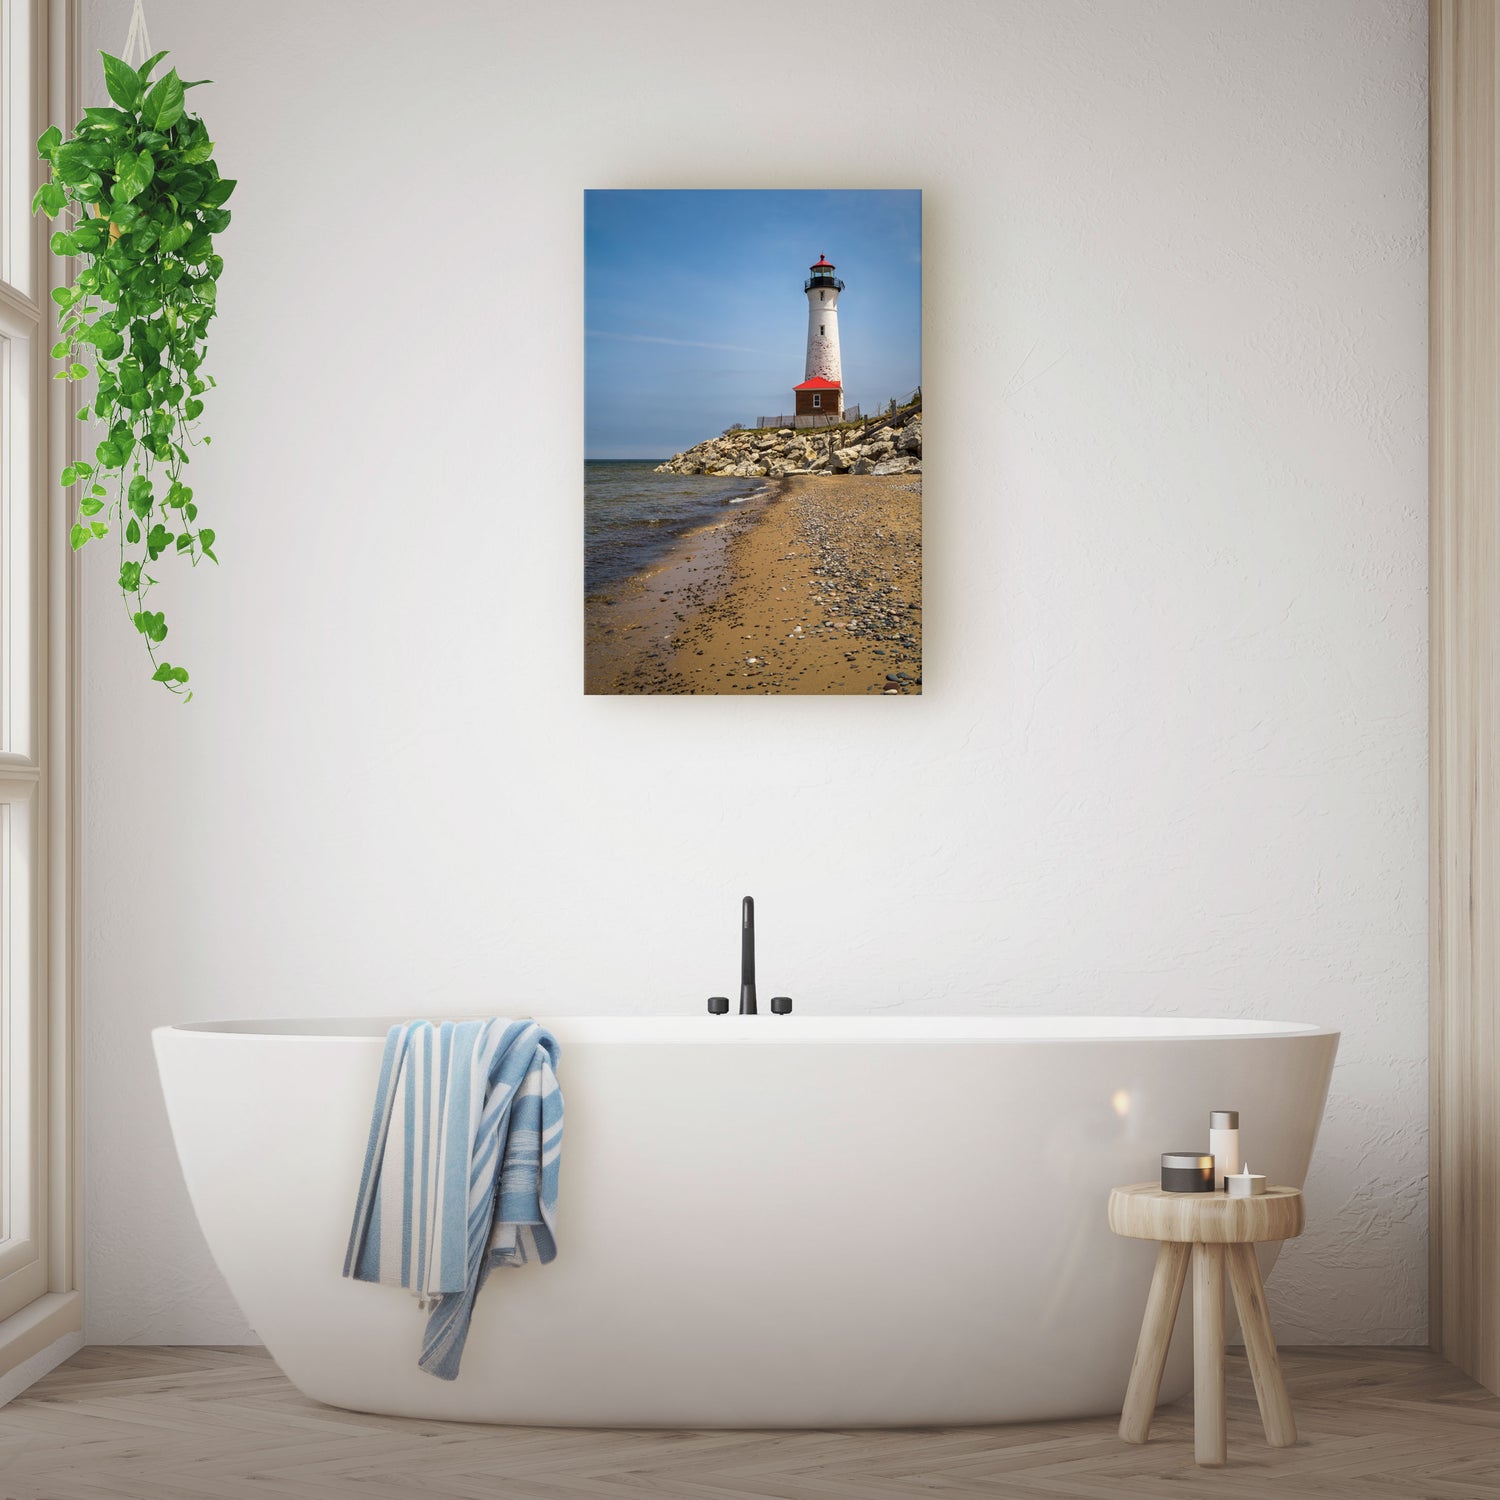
point(141, 200)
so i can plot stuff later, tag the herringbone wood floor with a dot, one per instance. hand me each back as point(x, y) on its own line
point(223, 1424)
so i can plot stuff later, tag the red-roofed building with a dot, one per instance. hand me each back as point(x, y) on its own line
point(821, 393)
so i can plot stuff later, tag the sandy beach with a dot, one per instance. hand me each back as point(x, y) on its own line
point(817, 588)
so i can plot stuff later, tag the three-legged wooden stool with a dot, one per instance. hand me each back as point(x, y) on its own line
point(1210, 1229)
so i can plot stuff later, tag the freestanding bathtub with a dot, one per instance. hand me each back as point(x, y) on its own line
point(769, 1221)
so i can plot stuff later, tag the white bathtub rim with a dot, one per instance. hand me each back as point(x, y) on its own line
point(802, 1029)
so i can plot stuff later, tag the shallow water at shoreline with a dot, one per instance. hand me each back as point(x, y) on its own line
point(633, 517)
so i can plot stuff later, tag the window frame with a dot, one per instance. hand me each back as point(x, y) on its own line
point(40, 1301)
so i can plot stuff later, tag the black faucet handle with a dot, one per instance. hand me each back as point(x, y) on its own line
point(781, 1005)
point(718, 1005)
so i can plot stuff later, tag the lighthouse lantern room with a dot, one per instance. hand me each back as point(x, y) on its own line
point(821, 393)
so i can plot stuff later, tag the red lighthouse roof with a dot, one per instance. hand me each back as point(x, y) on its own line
point(823, 263)
point(817, 383)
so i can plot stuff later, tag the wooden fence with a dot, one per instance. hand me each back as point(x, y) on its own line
point(818, 419)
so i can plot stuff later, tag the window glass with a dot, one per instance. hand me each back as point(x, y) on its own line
point(17, 148)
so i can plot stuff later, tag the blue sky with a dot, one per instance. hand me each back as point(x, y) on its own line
point(695, 316)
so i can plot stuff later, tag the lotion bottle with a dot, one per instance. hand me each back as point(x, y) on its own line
point(1224, 1145)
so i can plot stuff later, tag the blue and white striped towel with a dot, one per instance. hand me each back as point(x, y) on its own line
point(461, 1168)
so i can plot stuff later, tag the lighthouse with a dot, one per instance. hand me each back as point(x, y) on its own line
point(821, 393)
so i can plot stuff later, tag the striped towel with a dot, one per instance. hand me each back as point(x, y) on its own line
point(461, 1168)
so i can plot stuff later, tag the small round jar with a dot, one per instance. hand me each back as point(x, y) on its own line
point(1187, 1172)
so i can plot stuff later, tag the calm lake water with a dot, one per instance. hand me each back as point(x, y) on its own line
point(632, 516)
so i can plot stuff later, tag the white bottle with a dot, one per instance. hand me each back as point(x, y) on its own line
point(1224, 1145)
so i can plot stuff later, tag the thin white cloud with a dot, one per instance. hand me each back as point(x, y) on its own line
point(649, 338)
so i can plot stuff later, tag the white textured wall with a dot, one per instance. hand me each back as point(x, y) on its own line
point(1171, 753)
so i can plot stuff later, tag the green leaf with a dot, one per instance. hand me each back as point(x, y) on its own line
point(72, 163)
point(144, 71)
point(48, 141)
point(193, 410)
point(164, 104)
point(78, 536)
point(132, 174)
point(133, 532)
point(184, 541)
point(217, 193)
point(88, 506)
point(99, 528)
point(50, 199)
point(123, 82)
point(165, 672)
point(158, 539)
point(130, 577)
point(64, 296)
point(138, 498)
point(109, 455)
point(190, 511)
point(109, 119)
point(176, 235)
point(78, 371)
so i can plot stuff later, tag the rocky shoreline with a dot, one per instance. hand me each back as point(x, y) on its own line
point(887, 445)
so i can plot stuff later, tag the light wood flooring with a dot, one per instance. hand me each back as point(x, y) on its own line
point(223, 1424)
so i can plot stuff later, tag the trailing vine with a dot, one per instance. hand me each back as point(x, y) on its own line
point(146, 201)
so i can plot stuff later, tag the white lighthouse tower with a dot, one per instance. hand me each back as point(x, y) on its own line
point(821, 393)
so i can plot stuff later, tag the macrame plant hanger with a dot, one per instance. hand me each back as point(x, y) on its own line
point(136, 50)
point(137, 46)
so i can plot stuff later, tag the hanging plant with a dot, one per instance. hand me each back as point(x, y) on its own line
point(147, 201)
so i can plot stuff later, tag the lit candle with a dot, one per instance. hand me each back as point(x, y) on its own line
point(1245, 1184)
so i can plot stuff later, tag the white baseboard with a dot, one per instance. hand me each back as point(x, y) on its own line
point(44, 1361)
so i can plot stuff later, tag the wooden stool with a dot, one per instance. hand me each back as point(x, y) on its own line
point(1208, 1228)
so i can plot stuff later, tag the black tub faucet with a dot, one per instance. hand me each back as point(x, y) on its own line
point(747, 956)
point(718, 1005)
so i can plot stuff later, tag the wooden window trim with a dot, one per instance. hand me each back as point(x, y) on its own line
point(49, 1327)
